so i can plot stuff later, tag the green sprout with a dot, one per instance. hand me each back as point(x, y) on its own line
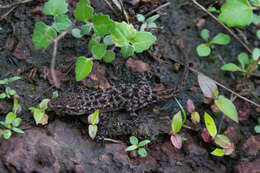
point(138, 145)
point(147, 23)
point(39, 111)
point(93, 120)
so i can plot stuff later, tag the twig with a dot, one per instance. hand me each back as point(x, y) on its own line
point(229, 30)
point(8, 12)
point(14, 4)
point(110, 6)
point(157, 9)
point(113, 140)
point(252, 67)
point(219, 84)
point(54, 53)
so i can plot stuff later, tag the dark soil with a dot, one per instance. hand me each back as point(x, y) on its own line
point(63, 145)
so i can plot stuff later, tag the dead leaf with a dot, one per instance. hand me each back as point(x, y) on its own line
point(190, 106)
point(44, 120)
point(243, 110)
point(206, 136)
point(233, 134)
point(207, 86)
point(158, 87)
point(252, 145)
point(137, 66)
point(21, 51)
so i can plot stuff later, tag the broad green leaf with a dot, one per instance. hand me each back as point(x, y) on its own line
point(122, 34)
point(102, 24)
point(17, 130)
point(133, 140)
point(256, 19)
point(43, 35)
point(143, 41)
point(109, 56)
point(127, 51)
point(257, 128)
point(44, 104)
point(258, 34)
point(99, 51)
point(236, 13)
point(203, 50)
point(142, 152)
point(76, 33)
point(95, 117)
point(131, 148)
point(227, 107)
point(152, 18)
point(108, 40)
point(16, 122)
point(7, 134)
point(62, 22)
point(204, 34)
point(9, 91)
point(221, 39)
point(210, 124)
point(83, 67)
point(143, 143)
point(151, 25)
point(9, 80)
point(222, 141)
point(85, 29)
point(176, 122)
point(195, 117)
point(243, 59)
point(37, 114)
point(230, 67)
point(83, 11)
point(218, 152)
point(55, 7)
point(2, 95)
point(256, 54)
point(140, 18)
point(92, 43)
point(10, 117)
point(92, 131)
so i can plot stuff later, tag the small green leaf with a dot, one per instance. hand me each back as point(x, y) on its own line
point(62, 22)
point(55, 7)
point(17, 130)
point(95, 117)
point(133, 140)
point(10, 117)
point(237, 13)
point(230, 67)
point(44, 104)
point(108, 40)
point(37, 114)
point(142, 152)
point(218, 152)
point(177, 122)
point(152, 18)
point(127, 51)
point(227, 107)
point(203, 50)
point(92, 131)
point(9, 80)
point(85, 29)
point(143, 41)
point(210, 124)
point(256, 54)
point(131, 148)
point(221, 39)
point(42, 35)
point(143, 26)
point(76, 33)
point(99, 50)
point(243, 59)
point(140, 18)
point(102, 24)
point(83, 11)
point(83, 67)
point(204, 34)
point(151, 25)
point(55, 94)
point(15, 106)
point(143, 143)
point(16, 122)
point(195, 117)
point(92, 43)
point(258, 34)
point(12, 92)
point(109, 56)
point(222, 141)
point(2, 95)
point(7, 134)
point(257, 129)
point(256, 19)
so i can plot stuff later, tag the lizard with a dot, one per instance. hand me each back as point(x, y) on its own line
point(130, 97)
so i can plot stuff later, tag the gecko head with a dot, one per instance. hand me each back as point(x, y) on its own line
point(66, 104)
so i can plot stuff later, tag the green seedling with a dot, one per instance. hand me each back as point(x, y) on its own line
point(107, 34)
point(39, 111)
point(204, 49)
point(245, 63)
point(11, 123)
point(139, 146)
point(8, 93)
point(147, 23)
point(257, 127)
point(219, 139)
point(93, 120)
